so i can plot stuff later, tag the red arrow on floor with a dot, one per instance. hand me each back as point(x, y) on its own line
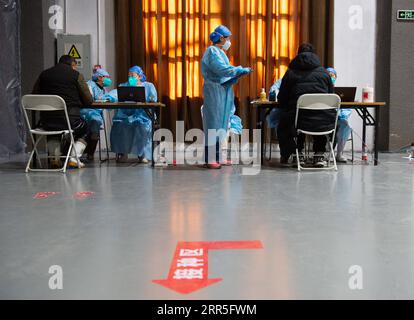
point(189, 268)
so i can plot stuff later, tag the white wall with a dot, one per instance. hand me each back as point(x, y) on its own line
point(355, 45)
point(95, 17)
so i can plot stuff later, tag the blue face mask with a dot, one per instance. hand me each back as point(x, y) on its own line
point(333, 80)
point(107, 82)
point(133, 82)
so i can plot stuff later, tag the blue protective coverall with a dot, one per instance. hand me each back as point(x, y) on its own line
point(219, 78)
point(132, 129)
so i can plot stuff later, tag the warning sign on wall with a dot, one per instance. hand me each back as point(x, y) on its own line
point(79, 47)
point(76, 51)
point(73, 52)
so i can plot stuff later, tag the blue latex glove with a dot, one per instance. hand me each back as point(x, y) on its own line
point(246, 71)
point(109, 98)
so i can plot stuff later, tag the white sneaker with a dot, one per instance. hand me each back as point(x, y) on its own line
point(341, 159)
point(319, 161)
point(144, 160)
point(73, 164)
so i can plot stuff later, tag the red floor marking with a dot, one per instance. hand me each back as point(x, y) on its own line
point(189, 267)
point(44, 195)
point(83, 195)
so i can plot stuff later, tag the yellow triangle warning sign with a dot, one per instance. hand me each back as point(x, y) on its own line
point(73, 52)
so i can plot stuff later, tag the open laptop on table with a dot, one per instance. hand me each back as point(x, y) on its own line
point(347, 94)
point(131, 94)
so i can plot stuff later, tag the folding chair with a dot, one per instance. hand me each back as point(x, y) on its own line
point(47, 103)
point(313, 105)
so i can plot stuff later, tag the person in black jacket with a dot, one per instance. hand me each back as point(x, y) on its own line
point(305, 75)
point(65, 81)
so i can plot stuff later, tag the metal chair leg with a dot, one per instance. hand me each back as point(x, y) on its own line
point(100, 147)
point(106, 139)
point(352, 146)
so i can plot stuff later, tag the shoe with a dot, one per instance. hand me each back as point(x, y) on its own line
point(226, 163)
point(284, 162)
point(213, 166)
point(301, 161)
point(73, 164)
point(341, 159)
point(55, 164)
point(77, 151)
point(121, 158)
point(143, 160)
point(54, 148)
point(319, 161)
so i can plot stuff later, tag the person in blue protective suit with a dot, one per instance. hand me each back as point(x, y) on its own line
point(94, 117)
point(132, 129)
point(344, 130)
point(219, 78)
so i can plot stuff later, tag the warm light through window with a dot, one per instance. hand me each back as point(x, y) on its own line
point(182, 30)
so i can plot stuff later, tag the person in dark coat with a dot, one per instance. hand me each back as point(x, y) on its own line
point(304, 76)
point(66, 82)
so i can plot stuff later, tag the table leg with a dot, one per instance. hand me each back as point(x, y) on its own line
point(153, 110)
point(376, 137)
point(259, 126)
point(364, 131)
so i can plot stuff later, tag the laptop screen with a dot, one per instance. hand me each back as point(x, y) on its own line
point(131, 94)
point(347, 94)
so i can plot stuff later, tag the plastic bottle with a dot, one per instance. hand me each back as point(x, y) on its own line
point(263, 95)
point(365, 154)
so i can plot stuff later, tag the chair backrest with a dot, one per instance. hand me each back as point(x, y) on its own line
point(317, 112)
point(43, 103)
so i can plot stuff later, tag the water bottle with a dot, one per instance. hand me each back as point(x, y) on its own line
point(263, 95)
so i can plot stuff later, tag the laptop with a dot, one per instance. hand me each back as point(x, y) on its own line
point(347, 94)
point(131, 94)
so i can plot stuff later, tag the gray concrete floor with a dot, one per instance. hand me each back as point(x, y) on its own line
point(313, 226)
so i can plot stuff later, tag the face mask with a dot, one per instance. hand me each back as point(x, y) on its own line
point(333, 80)
point(107, 82)
point(133, 82)
point(227, 45)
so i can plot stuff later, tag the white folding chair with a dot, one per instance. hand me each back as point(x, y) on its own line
point(47, 103)
point(323, 104)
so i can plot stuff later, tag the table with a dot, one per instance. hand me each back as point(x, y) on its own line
point(152, 109)
point(362, 108)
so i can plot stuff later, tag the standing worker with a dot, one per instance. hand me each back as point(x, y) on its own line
point(219, 78)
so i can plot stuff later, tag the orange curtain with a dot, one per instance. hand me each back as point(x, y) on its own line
point(175, 34)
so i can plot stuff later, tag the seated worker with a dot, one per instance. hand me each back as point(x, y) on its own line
point(94, 117)
point(344, 130)
point(65, 81)
point(304, 76)
point(132, 129)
